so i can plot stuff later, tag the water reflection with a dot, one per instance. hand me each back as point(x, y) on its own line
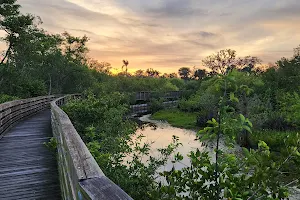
point(161, 134)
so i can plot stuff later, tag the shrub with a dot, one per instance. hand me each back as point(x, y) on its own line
point(277, 121)
point(289, 106)
point(5, 98)
point(190, 105)
point(156, 104)
point(204, 116)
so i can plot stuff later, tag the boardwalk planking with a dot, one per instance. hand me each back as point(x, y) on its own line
point(28, 170)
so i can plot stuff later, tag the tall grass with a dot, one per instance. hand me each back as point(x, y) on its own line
point(177, 118)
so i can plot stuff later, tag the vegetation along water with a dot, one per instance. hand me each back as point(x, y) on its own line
point(232, 101)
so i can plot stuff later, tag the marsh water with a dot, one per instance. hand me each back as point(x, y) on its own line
point(161, 135)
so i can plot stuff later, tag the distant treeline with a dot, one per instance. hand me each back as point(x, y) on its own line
point(39, 63)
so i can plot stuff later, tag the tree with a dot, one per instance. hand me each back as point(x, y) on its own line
point(75, 48)
point(254, 174)
point(200, 74)
point(165, 75)
point(288, 73)
point(184, 73)
point(125, 74)
point(103, 67)
point(225, 60)
point(152, 72)
point(297, 51)
point(221, 61)
point(247, 63)
point(14, 24)
point(173, 75)
point(35, 59)
point(139, 73)
point(125, 64)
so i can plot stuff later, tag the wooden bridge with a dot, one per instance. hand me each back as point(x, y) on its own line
point(147, 95)
point(28, 170)
point(141, 109)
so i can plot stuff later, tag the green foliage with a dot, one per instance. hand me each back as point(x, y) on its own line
point(136, 84)
point(38, 63)
point(99, 112)
point(277, 140)
point(184, 73)
point(112, 141)
point(5, 98)
point(156, 104)
point(250, 177)
point(255, 174)
point(177, 118)
point(52, 145)
point(289, 106)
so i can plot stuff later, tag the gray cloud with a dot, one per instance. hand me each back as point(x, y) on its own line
point(206, 34)
point(177, 9)
point(174, 32)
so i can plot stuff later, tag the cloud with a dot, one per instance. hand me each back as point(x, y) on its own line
point(206, 34)
point(166, 34)
point(176, 9)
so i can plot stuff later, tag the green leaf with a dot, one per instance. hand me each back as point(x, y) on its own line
point(247, 128)
point(231, 96)
point(249, 123)
point(242, 118)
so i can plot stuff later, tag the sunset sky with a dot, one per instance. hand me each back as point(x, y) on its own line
point(169, 34)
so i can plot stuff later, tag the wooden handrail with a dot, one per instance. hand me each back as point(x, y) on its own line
point(14, 111)
point(80, 175)
point(146, 95)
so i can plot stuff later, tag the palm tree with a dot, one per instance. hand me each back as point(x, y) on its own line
point(125, 64)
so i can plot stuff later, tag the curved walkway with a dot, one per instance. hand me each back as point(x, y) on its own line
point(28, 170)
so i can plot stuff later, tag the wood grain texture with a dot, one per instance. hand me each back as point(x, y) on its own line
point(28, 170)
point(103, 188)
point(14, 111)
point(80, 175)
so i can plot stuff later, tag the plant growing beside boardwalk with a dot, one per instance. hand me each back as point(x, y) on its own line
point(255, 174)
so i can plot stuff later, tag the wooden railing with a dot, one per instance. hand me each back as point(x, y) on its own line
point(140, 109)
point(14, 111)
point(80, 175)
point(146, 95)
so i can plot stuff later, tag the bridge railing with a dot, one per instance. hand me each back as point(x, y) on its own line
point(80, 175)
point(146, 108)
point(147, 95)
point(14, 111)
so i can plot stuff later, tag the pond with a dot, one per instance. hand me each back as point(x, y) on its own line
point(162, 134)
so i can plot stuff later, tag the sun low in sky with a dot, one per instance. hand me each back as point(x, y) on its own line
point(169, 34)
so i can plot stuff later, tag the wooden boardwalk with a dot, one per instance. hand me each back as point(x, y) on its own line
point(28, 170)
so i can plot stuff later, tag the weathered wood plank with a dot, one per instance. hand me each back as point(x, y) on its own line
point(102, 188)
point(14, 111)
point(80, 175)
point(28, 170)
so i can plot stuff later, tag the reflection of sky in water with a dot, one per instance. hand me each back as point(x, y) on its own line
point(162, 136)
